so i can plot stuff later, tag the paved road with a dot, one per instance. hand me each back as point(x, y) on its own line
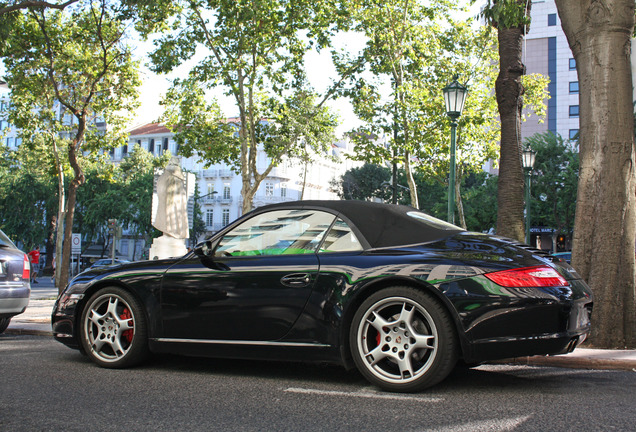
point(48, 387)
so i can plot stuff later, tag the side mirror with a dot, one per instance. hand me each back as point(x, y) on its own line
point(203, 249)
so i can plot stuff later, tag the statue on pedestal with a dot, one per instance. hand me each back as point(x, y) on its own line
point(170, 212)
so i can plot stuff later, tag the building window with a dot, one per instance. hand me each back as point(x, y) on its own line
point(574, 86)
point(574, 110)
point(10, 142)
point(226, 216)
point(552, 20)
point(151, 146)
point(165, 144)
point(210, 189)
point(572, 64)
point(574, 134)
point(209, 217)
point(226, 192)
point(269, 189)
point(283, 190)
point(124, 150)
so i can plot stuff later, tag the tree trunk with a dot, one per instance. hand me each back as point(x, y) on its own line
point(79, 179)
point(61, 214)
point(408, 172)
point(599, 34)
point(509, 92)
point(459, 203)
point(50, 241)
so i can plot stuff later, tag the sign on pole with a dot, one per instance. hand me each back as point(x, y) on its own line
point(76, 244)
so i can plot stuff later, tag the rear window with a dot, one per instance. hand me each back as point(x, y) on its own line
point(5, 242)
point(432, 222)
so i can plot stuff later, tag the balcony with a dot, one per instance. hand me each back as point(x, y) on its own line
point(226, 173)
point(279, 172)
point(210, 173)
point(211, 199)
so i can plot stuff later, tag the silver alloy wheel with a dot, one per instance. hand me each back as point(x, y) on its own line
point(109, 327)
point(397, 339)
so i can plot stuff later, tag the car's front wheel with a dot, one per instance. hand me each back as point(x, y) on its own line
point(403, 340)
point(113, 329)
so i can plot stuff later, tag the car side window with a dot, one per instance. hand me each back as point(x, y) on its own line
point(341, 239)
point(279, 232)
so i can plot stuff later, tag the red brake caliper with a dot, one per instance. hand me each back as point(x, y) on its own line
point(127, 334)
point(378, 339)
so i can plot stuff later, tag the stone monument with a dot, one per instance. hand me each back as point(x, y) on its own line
point(170, 212)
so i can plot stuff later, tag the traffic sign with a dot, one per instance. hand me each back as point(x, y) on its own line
point(76, 244)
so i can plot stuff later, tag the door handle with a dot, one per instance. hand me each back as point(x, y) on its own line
point(296, 280)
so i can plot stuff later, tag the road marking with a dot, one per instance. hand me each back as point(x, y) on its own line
point(501, 425)
point(364, 394)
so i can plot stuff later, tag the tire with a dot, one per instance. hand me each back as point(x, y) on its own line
point(403, 340)
point(4, 323)
point(113, 329)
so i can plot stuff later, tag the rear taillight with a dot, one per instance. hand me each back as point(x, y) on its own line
point(26, 268)
point(539, 276)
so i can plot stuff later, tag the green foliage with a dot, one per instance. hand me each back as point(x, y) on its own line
point(506, 13)
point(554, 181)
point(480, 201)
point(535, 94)
point(364, 183)
point(419, 48)
point(374, 181)
point(71, 61)
point(27, 196)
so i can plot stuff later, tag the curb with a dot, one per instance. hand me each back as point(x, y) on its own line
point(28, 331)
point(574, 363)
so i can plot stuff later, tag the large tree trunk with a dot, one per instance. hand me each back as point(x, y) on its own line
point(509, 92)
point(79, 180)
point(599, 34)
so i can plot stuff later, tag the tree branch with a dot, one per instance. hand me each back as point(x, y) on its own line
point(26, 4)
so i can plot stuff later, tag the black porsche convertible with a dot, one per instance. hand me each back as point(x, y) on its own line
point(388, 289)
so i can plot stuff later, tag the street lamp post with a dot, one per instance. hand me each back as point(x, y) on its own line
point(454, 97)
point(528, 163)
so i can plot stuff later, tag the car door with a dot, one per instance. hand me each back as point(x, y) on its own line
point(252, 286)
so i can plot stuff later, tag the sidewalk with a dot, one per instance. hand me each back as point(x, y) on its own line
point(36, 320)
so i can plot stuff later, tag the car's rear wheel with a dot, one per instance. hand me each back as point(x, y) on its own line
point(403, 340)
point(113, 329)
point(4, 323)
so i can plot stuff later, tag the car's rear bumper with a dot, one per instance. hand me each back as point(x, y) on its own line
point(14, 298)
point(504, 323)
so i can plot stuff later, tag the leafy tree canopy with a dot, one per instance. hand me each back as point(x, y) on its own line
point(554, 181)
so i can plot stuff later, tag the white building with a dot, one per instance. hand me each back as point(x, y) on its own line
point(8, 134)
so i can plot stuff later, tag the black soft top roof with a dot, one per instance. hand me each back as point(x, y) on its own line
point(382, 225)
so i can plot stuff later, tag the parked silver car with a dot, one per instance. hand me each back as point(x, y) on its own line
point(15, 287)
